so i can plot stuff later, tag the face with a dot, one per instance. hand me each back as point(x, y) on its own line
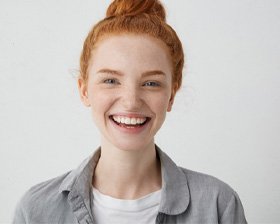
point(128, 89)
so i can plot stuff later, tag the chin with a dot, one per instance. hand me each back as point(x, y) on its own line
point(132, 145)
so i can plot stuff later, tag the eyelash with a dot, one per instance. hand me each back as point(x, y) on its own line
point(110, 81)
point(114, 81)
point(152, 84)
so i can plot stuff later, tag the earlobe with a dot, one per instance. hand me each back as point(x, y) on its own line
point(83, 92)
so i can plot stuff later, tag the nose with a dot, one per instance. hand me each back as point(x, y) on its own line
point(131, 99)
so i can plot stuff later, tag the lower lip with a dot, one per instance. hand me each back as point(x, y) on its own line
point(129, 130)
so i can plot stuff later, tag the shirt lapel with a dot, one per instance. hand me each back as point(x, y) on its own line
point(175, 191)
point(78, 186)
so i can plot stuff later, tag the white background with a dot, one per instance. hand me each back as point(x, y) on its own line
point(225, 120)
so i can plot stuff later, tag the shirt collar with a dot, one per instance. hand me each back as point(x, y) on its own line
point(80, 179)
point(175, 192)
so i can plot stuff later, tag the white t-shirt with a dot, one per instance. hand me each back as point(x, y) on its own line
point(107, 209)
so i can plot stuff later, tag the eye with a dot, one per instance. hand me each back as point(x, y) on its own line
point(152, 84)
point(110, 81)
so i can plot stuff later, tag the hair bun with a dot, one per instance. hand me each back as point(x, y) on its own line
point(136, 7)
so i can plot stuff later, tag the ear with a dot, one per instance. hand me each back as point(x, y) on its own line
point(170, 103)
point(83, 92)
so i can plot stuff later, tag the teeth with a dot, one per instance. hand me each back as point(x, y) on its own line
point(118, 119)
point(129, 120)
point(133, 121)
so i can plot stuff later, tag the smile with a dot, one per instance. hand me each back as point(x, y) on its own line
point(129, 121)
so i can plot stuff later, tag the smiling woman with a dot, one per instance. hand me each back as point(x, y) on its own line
point(129, 79)
point(131, 69)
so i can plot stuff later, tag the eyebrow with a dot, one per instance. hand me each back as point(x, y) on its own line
point(109, 71)
point(145, 74)
point(154, 72)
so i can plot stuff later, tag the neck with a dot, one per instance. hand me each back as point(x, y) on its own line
point(127, 174)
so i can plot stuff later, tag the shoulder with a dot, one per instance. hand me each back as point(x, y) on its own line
point(48, 200)
point(207, 186)
point(210, 193)
point(45, 190)
point(40, 199)
point(203, 182)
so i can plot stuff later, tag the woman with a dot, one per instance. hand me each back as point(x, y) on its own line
point(131, 69)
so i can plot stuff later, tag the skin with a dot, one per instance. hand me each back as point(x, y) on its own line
point(129, 76)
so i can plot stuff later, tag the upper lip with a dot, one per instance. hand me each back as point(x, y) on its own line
point(130, 115)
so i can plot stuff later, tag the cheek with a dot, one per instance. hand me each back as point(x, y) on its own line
point(160, 104)
point(100, 102)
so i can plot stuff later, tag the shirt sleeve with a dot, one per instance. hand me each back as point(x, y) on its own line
point(19, 214)
point(234, 212)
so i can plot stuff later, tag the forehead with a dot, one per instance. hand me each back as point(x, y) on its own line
point(130, 51)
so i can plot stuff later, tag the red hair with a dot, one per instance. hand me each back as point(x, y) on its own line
point(140, 17)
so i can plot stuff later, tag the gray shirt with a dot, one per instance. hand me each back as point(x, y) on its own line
point(187, 197)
